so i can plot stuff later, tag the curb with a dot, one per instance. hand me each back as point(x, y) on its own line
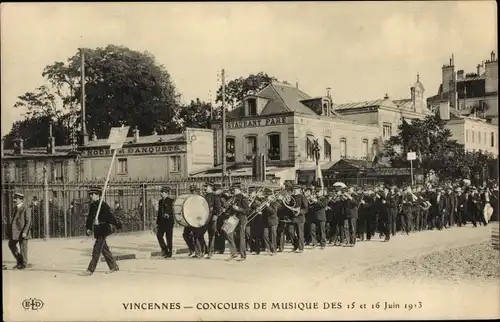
point(176, 251)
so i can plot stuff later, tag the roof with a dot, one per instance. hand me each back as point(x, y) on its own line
point(282, 98)
point(142, 140)
point(63, 150)
point(365, 104)
point(471, 78)
point(240, 171)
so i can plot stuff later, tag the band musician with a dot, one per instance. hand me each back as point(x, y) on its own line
point(318, 204)
point(298, 220)
point(214, 207)
point(188, 232)
point(219, 238)
point(240, 208)
point(165, 222)
point(270, 222)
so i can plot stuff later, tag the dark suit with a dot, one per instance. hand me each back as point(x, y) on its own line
point(384, 209)
point(298, 222)
point(270, 221)
point(18, 231)
point(393, 212)
point(242, 213)
point(215, 210)
point(318, 220)
point(165, 225)
point(439, 209)
point(102, 230)
point(462, 209)
point(350, 219)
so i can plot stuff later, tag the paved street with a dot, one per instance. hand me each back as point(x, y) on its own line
point(314, 276)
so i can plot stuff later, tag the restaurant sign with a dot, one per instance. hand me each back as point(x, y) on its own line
point(270, 121)
point(158, 149)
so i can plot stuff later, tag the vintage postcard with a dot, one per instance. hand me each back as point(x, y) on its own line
point(258, 161)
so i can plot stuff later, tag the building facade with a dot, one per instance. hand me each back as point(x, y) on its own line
point(154, 157)
point(470, 93)
point(475, 134)
point(386, 114)
point(282, 122)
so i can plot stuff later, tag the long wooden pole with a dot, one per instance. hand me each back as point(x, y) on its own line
point(223, 126)
point(82, 80)
point(96, 221)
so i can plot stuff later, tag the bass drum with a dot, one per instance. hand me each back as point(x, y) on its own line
point(191, 211)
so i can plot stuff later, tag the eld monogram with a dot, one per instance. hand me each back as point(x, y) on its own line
point(33, 304)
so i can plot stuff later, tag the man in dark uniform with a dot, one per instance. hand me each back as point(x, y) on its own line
point(308, 191)
point(220, 238)
point(452, 206)
point(364, 215)
point(284, 220)
point(215, 211)
point(165, 222)
point(241, 209)
point(350, 218)
point(461, 207)
point(368, 209)
point(18, 231)
point(188, 232)
point(407, 207)
point(318, 205)
point(270, 222)
point(338, 218)
point(102, 229)
point(298, 220)
point(384, 214)
point(439, 208)
point(329, 216)
point(393, 210)
point(255, 235)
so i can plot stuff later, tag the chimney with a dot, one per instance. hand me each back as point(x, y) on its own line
point(460, 74)
point(51, 149)
point(492, 55)
point(297, 84)
point(413, 96)
point(136, 135)
point(386, 97)
point(444, 110)
point(328, 91)
point(18, 146)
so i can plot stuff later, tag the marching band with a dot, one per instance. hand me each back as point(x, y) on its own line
point(265, 218)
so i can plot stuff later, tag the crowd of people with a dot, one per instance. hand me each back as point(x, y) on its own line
point(266, 218)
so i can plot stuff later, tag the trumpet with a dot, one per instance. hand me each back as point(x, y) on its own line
point(312, 199)
point(262, 207)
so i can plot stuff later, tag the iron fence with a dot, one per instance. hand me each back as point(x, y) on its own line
point(134, 203)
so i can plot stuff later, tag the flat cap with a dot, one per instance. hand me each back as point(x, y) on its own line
point(208, 184)
point(95, 190)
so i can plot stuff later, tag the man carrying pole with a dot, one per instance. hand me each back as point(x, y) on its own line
point(100, 215)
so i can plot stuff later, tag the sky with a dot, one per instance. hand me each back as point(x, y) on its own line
point(360, 50)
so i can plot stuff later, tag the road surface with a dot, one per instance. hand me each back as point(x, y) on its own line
point(192, 288)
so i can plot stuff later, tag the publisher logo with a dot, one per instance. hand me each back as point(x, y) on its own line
point(33, 304)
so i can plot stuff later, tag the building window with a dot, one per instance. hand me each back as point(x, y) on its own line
point(343, 148)
point(21, 171)
point(309, 147)
point(375, 147)
point(328, 149)
point(252, 106)
point(387, 131)
point(472, 138)
point(492, 139)
point(274, 147)
point(57, 171)
point(250, 145)
point(122, 166)
point(479, 137)
point(365, 148)
point(484, 139)
point(230, 150)
point(175, 163)
point(467, 136)
point(325, 108)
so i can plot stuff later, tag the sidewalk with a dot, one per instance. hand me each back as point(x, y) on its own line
point(75, 250)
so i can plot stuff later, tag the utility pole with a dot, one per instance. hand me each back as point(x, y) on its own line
point(223, 126)
point(85, 136)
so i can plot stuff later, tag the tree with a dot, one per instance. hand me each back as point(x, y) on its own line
point(238, 88)
point(121, 86)
point(197, 114)
point(35, 132)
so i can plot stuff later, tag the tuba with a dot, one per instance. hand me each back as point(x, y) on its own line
point(289, 201)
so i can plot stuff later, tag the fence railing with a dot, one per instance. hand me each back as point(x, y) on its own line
point(135, 204)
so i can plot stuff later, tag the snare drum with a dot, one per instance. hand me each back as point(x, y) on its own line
point(230, 225)
point(191, 210)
